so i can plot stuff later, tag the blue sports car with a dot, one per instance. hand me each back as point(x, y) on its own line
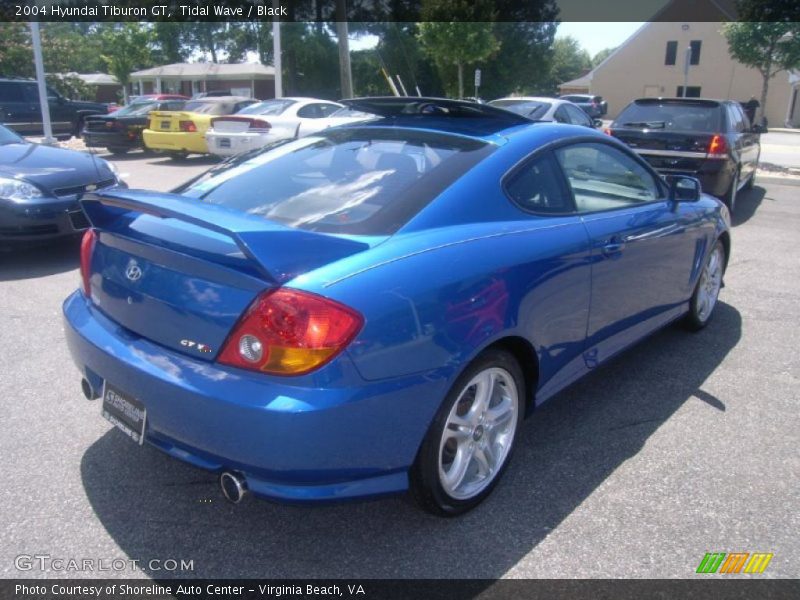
point(376, 308)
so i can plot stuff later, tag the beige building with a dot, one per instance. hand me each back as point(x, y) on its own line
point(651, 64)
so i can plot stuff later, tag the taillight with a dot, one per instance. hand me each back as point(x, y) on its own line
point(187, 126)
point(718, 147)
point(289, 332)
point(608, 131)
point(259, 124)
point(87, 248)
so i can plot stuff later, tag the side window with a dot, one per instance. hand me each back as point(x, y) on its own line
point(603, 177)
point(736, 123)
point(743, 119)
point(309, 111)
point(240, 105)
point(326, 110)
point(537, 186)
point(30, 92)
point(11, 92)
point(577, 116)
point(561, 115)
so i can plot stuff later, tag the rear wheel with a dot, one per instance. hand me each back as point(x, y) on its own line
point(178, 155)
point(704, 299)
point(750, 182)
point(470, 441)
point(730, 196)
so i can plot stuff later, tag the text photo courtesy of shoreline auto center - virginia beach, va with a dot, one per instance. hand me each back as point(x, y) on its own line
point(399, 300)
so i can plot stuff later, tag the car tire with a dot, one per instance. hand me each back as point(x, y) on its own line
point(177, 155)
point(472, 434)
point(706, 292)
point(750, 182)
point(78, 127)
point(729, 199)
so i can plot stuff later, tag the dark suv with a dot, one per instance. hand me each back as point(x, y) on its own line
point(712, 140)
point(594, 106)
point(20, 109)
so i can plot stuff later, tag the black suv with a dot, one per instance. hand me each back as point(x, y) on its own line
point(712, 140)
point(20, 109)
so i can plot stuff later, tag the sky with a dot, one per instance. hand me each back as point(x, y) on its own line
point(596, 36)
point(592, 36)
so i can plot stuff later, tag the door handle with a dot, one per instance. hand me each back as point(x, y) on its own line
point(613, 246)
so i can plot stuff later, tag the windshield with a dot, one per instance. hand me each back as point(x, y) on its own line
point(9, 137)
point(676, 116)
point(136, 109)
point(353, 181)
point(271, 107)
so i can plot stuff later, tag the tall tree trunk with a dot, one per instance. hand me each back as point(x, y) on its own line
point(764, 89)
point(460, 79)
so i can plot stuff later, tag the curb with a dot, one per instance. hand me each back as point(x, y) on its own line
point(792, 181)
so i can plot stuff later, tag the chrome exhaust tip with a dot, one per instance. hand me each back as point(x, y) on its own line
point(88, 390)
point(234, 487)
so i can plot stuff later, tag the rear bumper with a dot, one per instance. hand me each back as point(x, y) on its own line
point(230, 144)
point(715, 175)
point(101, 139)
point(175, 141)
point(294, 443)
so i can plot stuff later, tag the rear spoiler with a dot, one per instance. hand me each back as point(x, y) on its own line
point(280, 253)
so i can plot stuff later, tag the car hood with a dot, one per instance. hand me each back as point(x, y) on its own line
point(52, 169)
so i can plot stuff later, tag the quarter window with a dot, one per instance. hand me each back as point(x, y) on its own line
point(538, 187)
point(603, 177)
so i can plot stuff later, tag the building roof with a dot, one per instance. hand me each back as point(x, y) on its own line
point(207, 71)
point(582, 81)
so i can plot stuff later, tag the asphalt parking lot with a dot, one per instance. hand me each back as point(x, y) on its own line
point(685, 445)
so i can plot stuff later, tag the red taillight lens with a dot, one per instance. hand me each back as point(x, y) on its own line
point(718, 147)
point(187, 126)
point(87, 248)
point(289, 332)
point(259, 124)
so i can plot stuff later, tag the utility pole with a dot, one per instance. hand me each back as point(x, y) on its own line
point(345, 73)
point(44, 105)
point(276, 50)
point(687, 57)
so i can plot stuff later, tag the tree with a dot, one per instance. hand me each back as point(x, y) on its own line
point(602, 55)
point(126, 48)
point(768, 47)
point(457, 45)
point(569, 61)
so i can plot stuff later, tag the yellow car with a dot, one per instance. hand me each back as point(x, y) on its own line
point(179, 133)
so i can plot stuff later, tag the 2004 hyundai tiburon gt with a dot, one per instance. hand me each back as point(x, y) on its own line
point(376, 308)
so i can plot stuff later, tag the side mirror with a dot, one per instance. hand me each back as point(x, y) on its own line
point(683, 188)
point(758, 129)
point(598, 123)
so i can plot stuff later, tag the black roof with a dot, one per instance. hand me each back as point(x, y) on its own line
point(399, 106)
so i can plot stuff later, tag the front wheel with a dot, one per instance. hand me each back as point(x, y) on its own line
point(704, 299)
point(469, 443)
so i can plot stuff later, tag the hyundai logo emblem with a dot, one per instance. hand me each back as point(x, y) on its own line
point(133, 272)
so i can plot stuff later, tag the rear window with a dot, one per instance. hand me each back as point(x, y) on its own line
point(136, 109)
point(353, 181)
point(270, 107)
point(209, 108)
point(531, 108)
point(675, 116)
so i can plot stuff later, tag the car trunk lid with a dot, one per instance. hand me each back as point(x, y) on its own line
point(667, 150)
point(180, 272)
